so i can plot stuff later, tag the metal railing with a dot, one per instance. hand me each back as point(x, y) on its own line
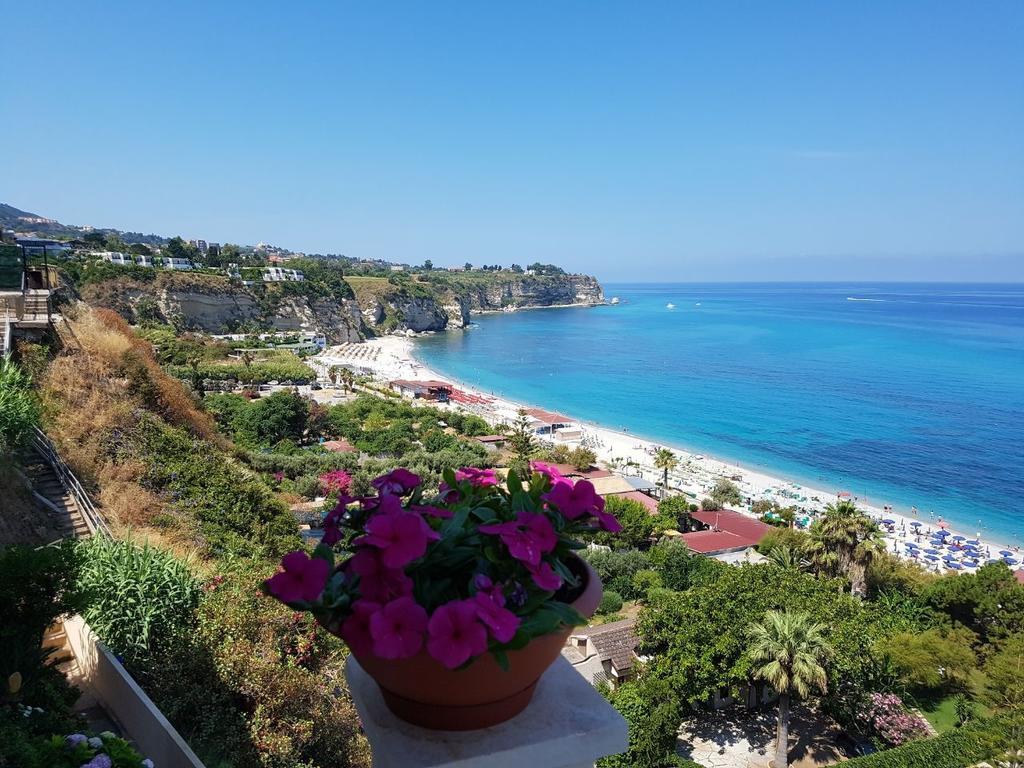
point(5, 340)
point(93, 519)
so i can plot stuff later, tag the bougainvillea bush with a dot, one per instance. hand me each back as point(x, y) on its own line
point(889, 719)
point(477, 567)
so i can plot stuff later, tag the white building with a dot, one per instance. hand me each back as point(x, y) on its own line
point(201, 245)
point(233, 271)
point(173, 262)
point(397, 268)
point(116, 257)
point(144, 260)
point(282, 275)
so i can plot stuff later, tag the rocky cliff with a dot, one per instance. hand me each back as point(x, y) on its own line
point(375, 305)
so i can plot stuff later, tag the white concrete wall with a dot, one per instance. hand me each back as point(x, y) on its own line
point(126, 702)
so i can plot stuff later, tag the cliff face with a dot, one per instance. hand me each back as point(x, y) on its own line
point(212, 304)
point(216, 306)
point(534, 291)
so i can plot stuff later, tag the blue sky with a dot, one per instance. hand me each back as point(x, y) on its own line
point(683, 141)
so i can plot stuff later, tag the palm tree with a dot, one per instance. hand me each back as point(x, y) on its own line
point(844, 540)
point(666, 461)
point(789, 652)
point(348, 379)
point(785, 556)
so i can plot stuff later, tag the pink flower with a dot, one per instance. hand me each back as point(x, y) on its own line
point(448, 495)
point(355, 630)
point(606, 520)
point(573, 501)
point(454, 634)
point(278, 477)
point(527, 537)
point(303, 578)
point(544, 576)
point(491, 610)
point(477, 477)
point(376, 582)
point(549, 470)
point(332, 521)
point(398, 629)
point(335, 481)
point(398, 482)
point(401, 537)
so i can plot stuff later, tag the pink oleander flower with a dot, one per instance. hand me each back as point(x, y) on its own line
point(378, 583)
point(454, 634)
point(478, 477)
point(398, 629)
point(428, 509)
point(528, 537)
point(549, 470)
point(400, 536)
point(398, 482)
point(355, 630)
point(574, 501)
point(335, 481)
point(606, 520)
point(278, 477)
point(491, 610)
point(303, 578)
point(544, 576)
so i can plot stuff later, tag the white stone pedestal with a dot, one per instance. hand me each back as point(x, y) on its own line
point(567, 725)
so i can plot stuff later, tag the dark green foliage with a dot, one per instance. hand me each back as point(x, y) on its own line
point(30, 746)
point(680, 569)
point(617, 569)
point(232, 510)
point(652, 710)
point(638, 525)
point(977, 741)
point(990, 602)
point(726, 492)
point(611, 602)
point(675, 509)
point(270, 420)
point(142, 599)
point(37, 586)
point(19, 412)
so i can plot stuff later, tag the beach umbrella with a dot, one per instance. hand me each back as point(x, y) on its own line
point(914, 554)
point(1009, 561)
point(844, 495)
point(942, 532)
point(888, 522)
point(993, 560)
point(1005, 553)
point(954, 566)
point(931, 557)
point(959, 538)
point(932, 551)
point(973, 542)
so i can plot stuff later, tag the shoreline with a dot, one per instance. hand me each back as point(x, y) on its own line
point(393, 357)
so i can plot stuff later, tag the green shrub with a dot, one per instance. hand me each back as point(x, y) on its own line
point(617, 569)
point(611, 602)
point(53, 751)
point(308, 486)
point(37, 586)
point(19, 412)
point(977, 741)
point(141, 598)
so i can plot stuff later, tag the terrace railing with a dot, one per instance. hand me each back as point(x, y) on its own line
point(93, 519)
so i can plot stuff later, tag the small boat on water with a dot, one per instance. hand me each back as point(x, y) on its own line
point(615, 300)
point(670, 305)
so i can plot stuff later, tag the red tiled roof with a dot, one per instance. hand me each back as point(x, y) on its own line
point(429, 384)
point(1019, 573)
point(643, 498)
point(547, 417)
point(734, 522)
point(712, 542)
point(570, 471)
point(338, 446)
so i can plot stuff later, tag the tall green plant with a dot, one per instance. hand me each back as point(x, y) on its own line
point(18, 409)
point(845, 541)
point(141, 598)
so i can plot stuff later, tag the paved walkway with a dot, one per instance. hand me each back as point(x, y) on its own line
point(737, 738)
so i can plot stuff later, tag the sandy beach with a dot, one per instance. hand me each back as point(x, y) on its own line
point(393, 357)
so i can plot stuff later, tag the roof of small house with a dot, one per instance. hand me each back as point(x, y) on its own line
point(547, 417)
point(642, 498)
point(338, 446)
point(428, 384)
point(614, 641)
point(1019, 573)
point(491, 438)
point(734, 522)
point(712, 542)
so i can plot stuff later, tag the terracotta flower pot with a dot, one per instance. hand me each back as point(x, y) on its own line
point(420, 690)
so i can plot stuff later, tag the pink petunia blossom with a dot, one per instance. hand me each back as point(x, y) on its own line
point(573, 501)
point(377, 582)
point(549, 470)
point(397, 482)
point(528, 537)
point(303, 578)
point(355, 630)
point(491, 610)
point(398, 629)
point(454, 634)
point(606, 520)
point(448, 495)
point(401, 537)
point(544, 576)
point(476, 476)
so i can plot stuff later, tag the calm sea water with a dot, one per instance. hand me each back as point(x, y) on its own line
point(902, 393)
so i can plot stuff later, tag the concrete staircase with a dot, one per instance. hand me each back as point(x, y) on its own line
point(62, 504)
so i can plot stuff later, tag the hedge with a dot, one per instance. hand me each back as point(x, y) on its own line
point(982, 740)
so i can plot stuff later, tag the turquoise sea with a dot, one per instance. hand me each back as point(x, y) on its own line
point(909, 394)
